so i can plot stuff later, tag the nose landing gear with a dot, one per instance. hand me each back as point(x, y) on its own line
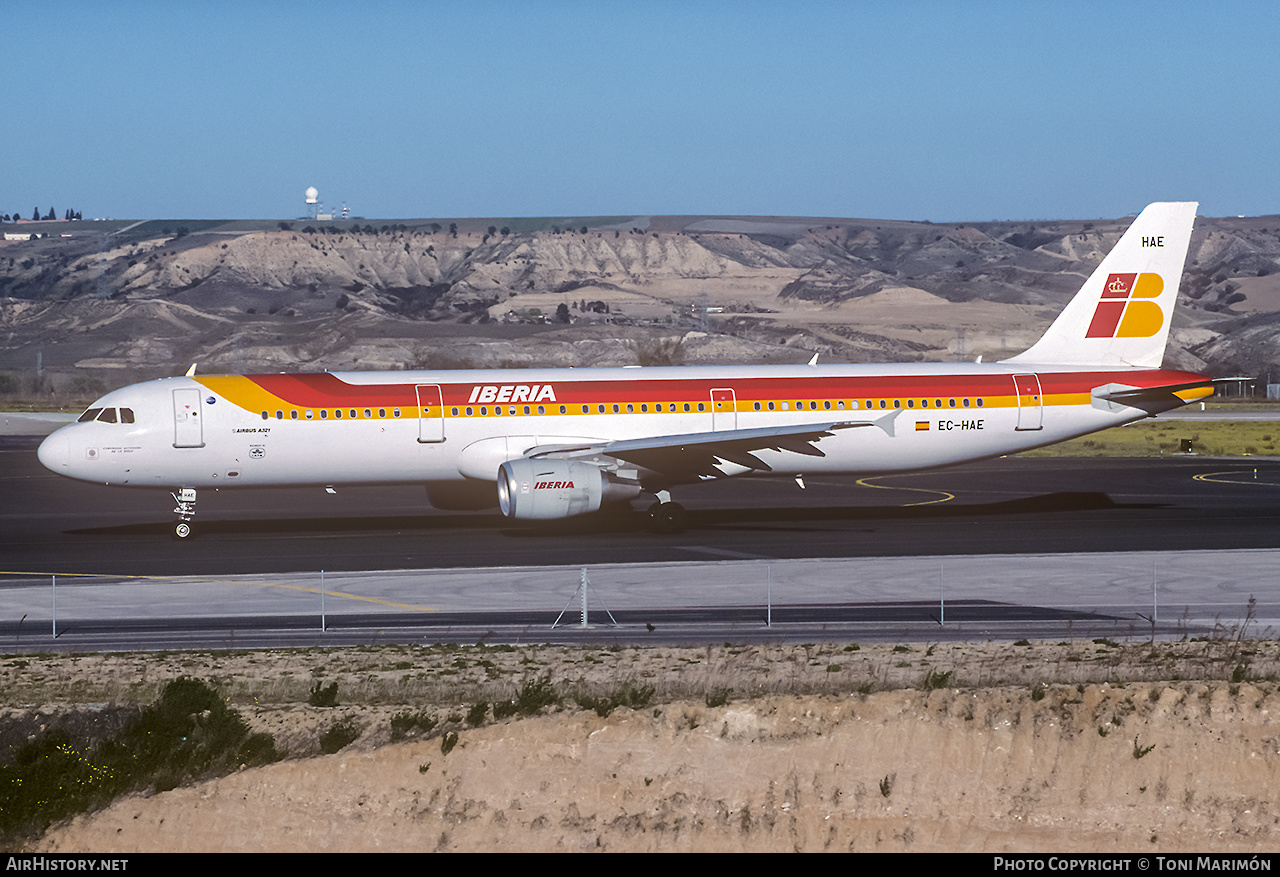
point(186, 510)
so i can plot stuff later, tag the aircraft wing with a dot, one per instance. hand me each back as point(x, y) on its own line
point(700, 455)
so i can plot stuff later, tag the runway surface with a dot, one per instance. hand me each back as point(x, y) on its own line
point(1011, 516)
point(1005, 506)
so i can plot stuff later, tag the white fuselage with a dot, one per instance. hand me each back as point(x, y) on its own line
point(454, 426)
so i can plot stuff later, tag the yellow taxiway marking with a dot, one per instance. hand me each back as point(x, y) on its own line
point(1250, 477)
point(946, 497)
point(345, 595)
point(304, 588)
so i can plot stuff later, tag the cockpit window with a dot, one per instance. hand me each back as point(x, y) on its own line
point(107, 415)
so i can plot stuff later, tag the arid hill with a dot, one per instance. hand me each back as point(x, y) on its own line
point(111, 303)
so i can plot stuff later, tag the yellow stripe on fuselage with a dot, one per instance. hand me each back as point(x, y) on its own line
point(239, 390)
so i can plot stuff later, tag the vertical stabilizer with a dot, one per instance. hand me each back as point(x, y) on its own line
point(1120, 317)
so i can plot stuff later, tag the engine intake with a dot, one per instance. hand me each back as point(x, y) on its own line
point(540, 490)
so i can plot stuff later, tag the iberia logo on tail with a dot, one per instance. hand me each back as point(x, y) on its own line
point(1122, 313)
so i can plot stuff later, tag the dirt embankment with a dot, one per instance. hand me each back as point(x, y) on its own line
point(1188, 767)
point(1001, 747)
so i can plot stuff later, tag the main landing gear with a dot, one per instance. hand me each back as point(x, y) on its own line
point(186, 510)
point(666, 517)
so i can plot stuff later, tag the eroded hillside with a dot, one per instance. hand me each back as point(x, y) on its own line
point(102, 307)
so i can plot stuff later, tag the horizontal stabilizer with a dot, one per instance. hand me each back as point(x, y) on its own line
point(1153, 400)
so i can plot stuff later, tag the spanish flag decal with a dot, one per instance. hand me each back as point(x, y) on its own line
point(922, 426)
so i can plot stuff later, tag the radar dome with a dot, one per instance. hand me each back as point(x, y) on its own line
point(312, 194)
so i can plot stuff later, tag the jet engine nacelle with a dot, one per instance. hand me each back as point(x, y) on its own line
point(540, 490)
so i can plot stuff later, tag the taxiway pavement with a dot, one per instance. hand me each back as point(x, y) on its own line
point(1005, 549)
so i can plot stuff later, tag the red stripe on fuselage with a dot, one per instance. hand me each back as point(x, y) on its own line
point(327, 391)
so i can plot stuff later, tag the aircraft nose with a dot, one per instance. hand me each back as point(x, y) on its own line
point(55, 452)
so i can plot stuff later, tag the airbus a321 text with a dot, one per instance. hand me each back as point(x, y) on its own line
point(552, 443)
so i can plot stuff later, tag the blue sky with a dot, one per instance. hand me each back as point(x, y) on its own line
point(947, 111)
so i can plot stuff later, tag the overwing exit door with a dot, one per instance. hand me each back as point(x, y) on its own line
point(724, 409)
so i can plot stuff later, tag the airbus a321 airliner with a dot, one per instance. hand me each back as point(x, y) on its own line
point(552, 443)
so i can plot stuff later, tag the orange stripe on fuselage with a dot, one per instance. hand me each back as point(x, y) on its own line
point(268, 392)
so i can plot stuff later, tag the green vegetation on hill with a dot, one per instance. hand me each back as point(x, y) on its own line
point(188, 733)
point(525, 224)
